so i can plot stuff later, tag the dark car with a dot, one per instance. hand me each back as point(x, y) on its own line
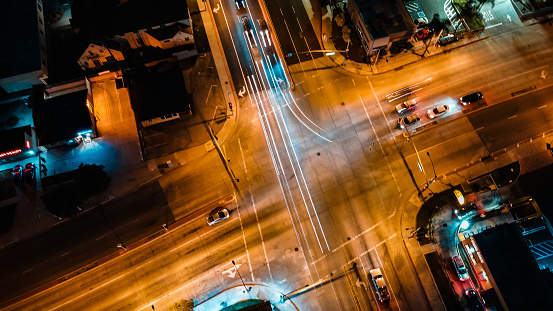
point(403, 122)
point(29, 171)
point(445, 40)
point(423, 34)
point(248, 31)
point(471, 98)
point(463, 211)
point(474, 302)
point(18, 174)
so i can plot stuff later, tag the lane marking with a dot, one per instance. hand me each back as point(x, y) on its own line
point(480, 128)
point(540, 107)
point(512, 117)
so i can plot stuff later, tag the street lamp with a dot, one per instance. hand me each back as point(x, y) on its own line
point(236, 268)
point(433, 168)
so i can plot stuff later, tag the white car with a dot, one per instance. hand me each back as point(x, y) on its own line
point(217, 216)
point(406, 106)
point(379, 284)
point(438, 111)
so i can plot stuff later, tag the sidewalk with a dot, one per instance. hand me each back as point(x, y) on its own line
point(531, 155)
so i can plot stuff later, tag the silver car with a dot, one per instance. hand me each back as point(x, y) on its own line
point(406, 106)
point(217, 216)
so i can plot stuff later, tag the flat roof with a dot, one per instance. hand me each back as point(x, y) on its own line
point(61, 118)
point(157, 91)
point(382, 17)
point(20, 48)
point(14, 138)
point(126, 17)
point(522, 284)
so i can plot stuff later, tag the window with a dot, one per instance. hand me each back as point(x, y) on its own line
point(39, 7)
point(40, 21)
point(168, 40)
point(187, 39)
point(90, 53)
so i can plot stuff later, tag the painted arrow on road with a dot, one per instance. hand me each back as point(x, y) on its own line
point(359, 284)
point(242, 92)
point(232, 271)
point(215, 10)
point(543, 74)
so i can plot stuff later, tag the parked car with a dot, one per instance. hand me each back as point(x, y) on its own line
point(474, 302)
point(471, 98)
point(18, 174)
point(423, 34)
point(445, 40)
point(379, 285)
point(217, 216)
point(403, 122)
point(421, 21)
point(438, 111)
point(406, 106)
point(463, 211)
point(29, 172)
point(460, 268)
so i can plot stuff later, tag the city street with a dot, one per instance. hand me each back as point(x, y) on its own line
point(321, 176)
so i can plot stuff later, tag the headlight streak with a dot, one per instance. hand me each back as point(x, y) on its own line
point(277, 107)
point(282, 180)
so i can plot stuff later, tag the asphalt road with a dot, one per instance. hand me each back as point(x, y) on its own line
point(82, 240)
point(530, 114)
point(344, 207)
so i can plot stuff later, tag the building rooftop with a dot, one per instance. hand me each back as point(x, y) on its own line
point(522, 284)
point(107, 18)
point(167, 32)
point(20, 48)
point(158, 90)
point(61, 118)
point(382, 17)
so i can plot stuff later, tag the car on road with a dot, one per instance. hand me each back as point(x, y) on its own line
point(463, 211)
point(379, 285)
point(240, 3)
point(217, 216)
point(406, 106)
point(474, 302)
point(423, 34)
point(264, 31)
point(471, 98)
point(404, 121)
point(29, 172)
point(445, 40)
point(460, 268)
point(438, 111)
point(248, 30)
point(18, 174)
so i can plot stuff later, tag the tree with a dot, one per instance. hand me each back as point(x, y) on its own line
point(345, 33)
point(467, 11)
point(340, 19)
point(182, 305)
point(437, 24)
point(482, 2)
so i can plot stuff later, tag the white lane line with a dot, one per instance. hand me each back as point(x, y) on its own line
point(255, 210)
point(65, 254)
point(244, 237)
point(480, 128)
point(540, 107)
point(495, 25)
point(512, 117)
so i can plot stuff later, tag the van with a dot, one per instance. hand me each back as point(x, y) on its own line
point(460, 268)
